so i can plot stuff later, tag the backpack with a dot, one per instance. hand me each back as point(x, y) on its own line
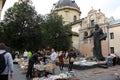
point(2, 62)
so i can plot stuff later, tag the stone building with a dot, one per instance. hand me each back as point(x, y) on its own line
point(114, 37)
point(93, 17)
point(71, 15)
point(2, 2)
point(83, 27)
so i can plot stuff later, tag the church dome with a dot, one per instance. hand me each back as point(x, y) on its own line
point(62, 3)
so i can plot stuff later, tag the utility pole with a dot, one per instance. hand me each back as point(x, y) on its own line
point(108, 38)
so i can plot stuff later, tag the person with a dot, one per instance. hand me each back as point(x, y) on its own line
point(61, 58)
point(66, 54)
point(109, 61)
point(53, 57)
point(98, 35)
point(29, 54)
point(17, 54)
point(13, 55)
point(25, 54)
point(114, 59)
point(44, 57)
point(34, 59)
point(9, 63)
point(70, 56)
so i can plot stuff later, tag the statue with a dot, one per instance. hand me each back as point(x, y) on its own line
point(98, 35)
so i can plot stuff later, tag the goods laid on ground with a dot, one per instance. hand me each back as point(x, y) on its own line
point(62, 76)
point(41, 67)
point(16, 60)
point(24, 64)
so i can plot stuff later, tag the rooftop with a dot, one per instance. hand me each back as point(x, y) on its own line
point(62, 3)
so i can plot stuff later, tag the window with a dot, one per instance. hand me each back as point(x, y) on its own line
point(112, 49)
point(92, 22)
point(112, 35)
point(85, 35)
point(75, 18)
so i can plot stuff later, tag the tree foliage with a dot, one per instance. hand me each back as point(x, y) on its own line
point(23, 28)
point(56, 35)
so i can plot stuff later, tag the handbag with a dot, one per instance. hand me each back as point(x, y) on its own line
point(72, 59)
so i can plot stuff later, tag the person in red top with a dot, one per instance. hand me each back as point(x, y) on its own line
point(61, 60)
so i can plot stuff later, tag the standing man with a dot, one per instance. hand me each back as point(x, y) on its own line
point(34, 59)
point(25, 54)
point(53, 57)
point(7, 61)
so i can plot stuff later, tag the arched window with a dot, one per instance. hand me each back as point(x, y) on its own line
point(74, 18)
point(85, 35)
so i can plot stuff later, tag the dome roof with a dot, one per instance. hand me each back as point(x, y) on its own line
point(62, 3)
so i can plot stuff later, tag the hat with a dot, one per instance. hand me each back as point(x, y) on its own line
point(3, 46)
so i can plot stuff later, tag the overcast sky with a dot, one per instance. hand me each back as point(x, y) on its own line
point(108, 7)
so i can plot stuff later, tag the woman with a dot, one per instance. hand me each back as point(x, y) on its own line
point(61, 62)
point(71, 58)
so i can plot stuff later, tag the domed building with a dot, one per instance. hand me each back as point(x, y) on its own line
point(68, 9)
point(71, 15)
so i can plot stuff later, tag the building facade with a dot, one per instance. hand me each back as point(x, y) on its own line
point(93, 17)
point(114, 37)
point(84, 27)
point(71, 15)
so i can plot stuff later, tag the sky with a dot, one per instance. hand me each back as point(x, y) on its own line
point(108, 7)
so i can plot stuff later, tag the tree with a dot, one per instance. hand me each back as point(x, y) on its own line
point(22, 26)
point(56, 35)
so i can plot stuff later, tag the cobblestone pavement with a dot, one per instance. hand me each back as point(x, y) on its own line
point(90, 74)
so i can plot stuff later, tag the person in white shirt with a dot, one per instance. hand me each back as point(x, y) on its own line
point(25, 54)
point(53, 55)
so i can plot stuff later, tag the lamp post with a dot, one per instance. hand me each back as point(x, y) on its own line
point(108, 38)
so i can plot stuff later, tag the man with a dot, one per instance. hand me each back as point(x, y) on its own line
point(32, 61)
point(98, 35)
point(53, 57)
point(25, 54)
point(29, 54)
point(9, 63)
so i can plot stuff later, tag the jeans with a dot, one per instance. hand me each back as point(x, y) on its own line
point(29, 71)
point(70, 66)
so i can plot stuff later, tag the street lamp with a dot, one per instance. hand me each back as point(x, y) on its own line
point(108, 38)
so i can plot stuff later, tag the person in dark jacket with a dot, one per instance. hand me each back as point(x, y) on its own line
point(34, 59)
point(70, 56)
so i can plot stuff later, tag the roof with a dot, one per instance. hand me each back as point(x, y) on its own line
point(62, 3)
point(114, 22)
